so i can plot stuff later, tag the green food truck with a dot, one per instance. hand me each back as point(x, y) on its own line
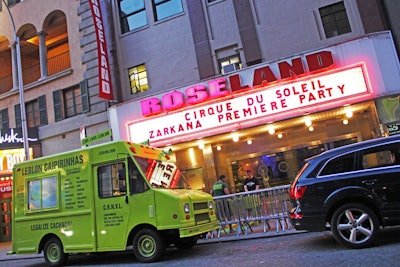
point(106, 198)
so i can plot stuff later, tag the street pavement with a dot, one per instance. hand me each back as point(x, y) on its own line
point(257, 231)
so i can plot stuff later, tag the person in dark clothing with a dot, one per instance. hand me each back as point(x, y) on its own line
point(220, 188)
point(251, 182)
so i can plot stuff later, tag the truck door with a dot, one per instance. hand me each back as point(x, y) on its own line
point(112, 208)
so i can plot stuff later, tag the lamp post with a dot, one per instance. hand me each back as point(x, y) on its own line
point(21, 87)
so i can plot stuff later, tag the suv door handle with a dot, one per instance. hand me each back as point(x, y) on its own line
point(369, 182)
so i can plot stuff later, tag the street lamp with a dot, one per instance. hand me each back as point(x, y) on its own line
point(21, 87)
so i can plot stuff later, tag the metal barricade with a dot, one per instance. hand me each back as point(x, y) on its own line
point(228, 213)
point(247, 210)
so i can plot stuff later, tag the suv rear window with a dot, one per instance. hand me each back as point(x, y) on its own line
point(341, 164)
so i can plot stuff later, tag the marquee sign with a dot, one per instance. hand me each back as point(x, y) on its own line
point(263, 103)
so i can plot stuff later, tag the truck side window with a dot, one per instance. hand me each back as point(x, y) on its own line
point(136, 182)
point(42, 193)
point(112, 180)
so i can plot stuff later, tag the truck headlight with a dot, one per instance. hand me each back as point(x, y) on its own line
point(211, 205)
point(186, 208)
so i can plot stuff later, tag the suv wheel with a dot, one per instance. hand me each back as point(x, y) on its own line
point(355, 225)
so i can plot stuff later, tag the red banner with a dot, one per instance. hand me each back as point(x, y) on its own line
point(105, 86)
point(5, 189)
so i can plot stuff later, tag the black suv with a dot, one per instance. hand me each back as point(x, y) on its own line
point(352, 190)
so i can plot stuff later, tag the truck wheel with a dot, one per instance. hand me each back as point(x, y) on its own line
point(355, 225)
point(54, 253)
point(148, 246)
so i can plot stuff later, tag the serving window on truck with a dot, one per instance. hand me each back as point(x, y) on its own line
point(111, 180)
point(113, 183)
point(42, 193)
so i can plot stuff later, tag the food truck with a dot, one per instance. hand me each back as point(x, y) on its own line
point(107, 197)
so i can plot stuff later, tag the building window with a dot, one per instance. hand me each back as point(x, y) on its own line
point(4, 119)
point(334, 20)
point(36, 113)
point(32, 113)
point(132, 14)
point(230, 64)
point(166, 8)
point(138, 79)
point(70, 102)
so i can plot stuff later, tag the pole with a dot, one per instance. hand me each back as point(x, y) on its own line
point(21, 87)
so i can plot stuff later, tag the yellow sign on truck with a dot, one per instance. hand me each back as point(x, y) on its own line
point(106, 198)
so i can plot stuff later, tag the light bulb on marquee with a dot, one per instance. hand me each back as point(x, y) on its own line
point(271, 130)
point(349, 114)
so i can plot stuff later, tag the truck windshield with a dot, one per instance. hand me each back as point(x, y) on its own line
point(161, 174)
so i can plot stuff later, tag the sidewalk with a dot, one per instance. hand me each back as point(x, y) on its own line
point(257, 232)
point(6, 247)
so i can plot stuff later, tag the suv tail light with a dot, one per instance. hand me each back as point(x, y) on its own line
point(297, 192)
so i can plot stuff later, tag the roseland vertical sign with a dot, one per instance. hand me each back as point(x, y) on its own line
point(105, 86)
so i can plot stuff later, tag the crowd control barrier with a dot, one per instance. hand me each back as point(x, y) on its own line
point(266, 207)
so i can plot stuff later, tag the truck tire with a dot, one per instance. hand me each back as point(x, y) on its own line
point(355, 225)
point(148, 246)
point(54, 253)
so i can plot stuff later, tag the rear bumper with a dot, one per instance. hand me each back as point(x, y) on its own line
point(307, 222)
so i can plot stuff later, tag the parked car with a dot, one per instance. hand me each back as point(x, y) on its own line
point(352, 190)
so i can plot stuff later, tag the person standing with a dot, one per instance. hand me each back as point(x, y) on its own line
point(250, 201)
point(251, 182)
point(220, 188)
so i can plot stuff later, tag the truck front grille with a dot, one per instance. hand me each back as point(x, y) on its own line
point(201, 212)
point(202, 218)
point(200, 206)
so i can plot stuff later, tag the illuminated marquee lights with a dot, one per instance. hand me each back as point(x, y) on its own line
point(290, 98)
